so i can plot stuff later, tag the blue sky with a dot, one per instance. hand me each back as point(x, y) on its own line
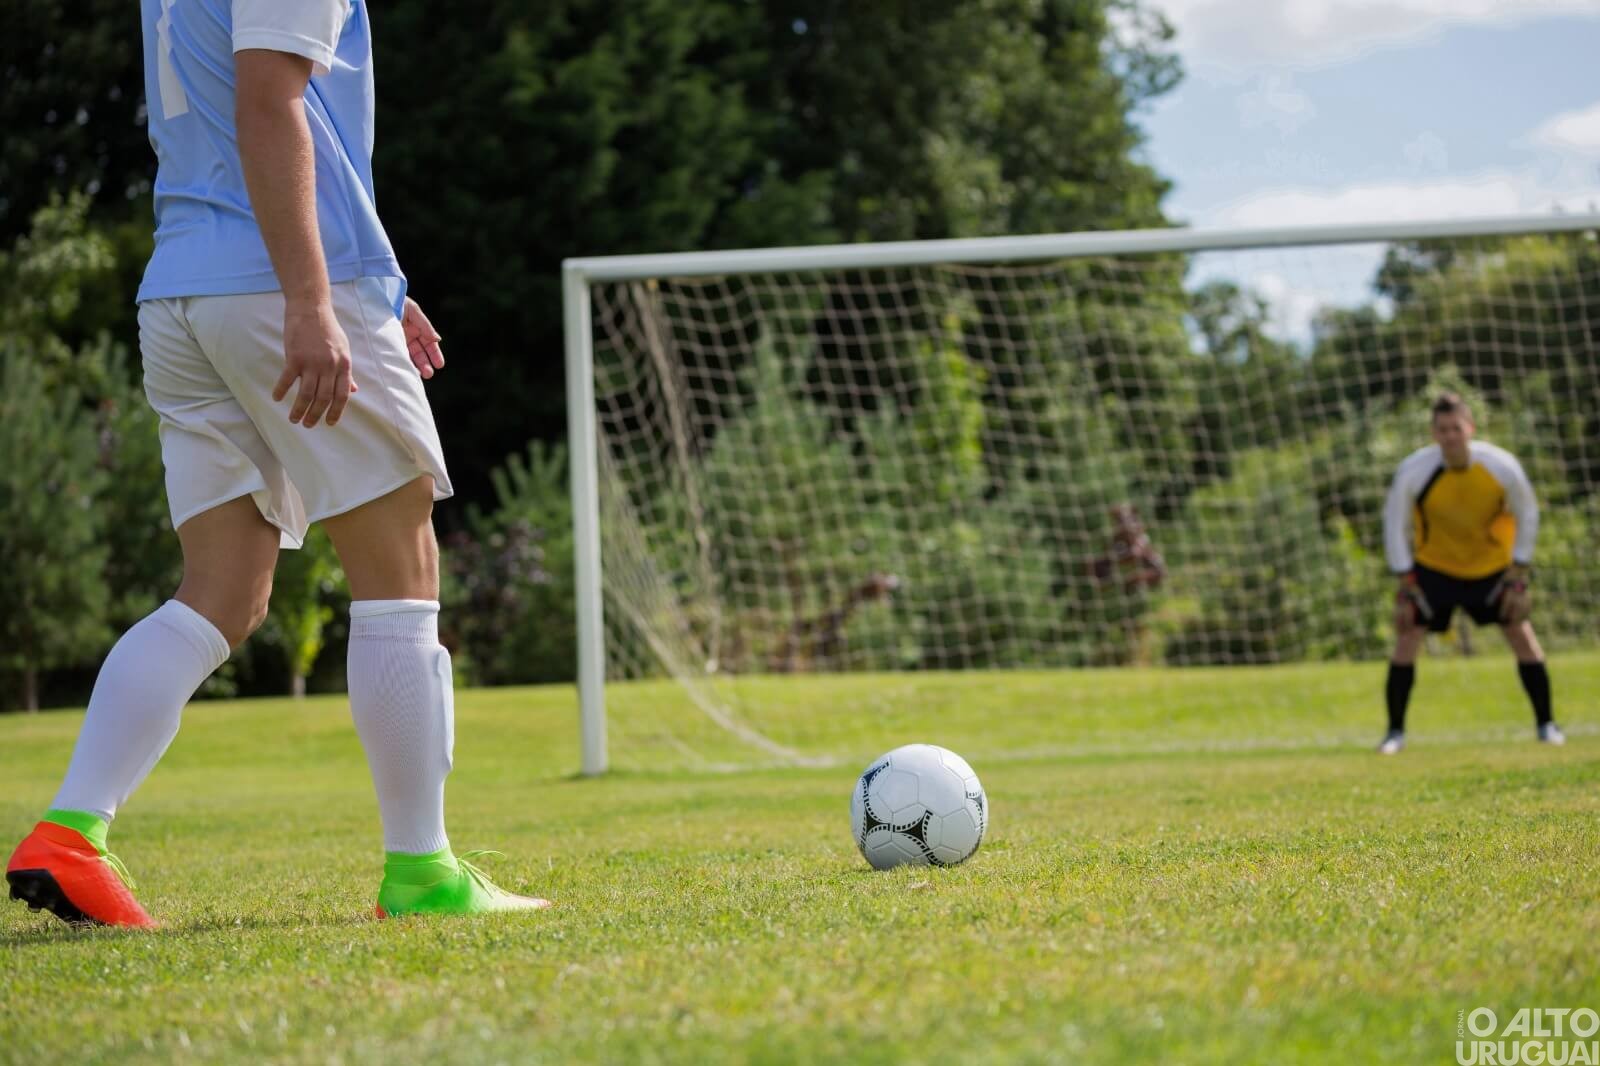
point(1327, 111)
point(1336, 110)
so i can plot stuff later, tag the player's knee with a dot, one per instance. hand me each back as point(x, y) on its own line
point(1523, 642)
point(240, 620)
point(236, 613)
point(388, 546)
point(258, 607)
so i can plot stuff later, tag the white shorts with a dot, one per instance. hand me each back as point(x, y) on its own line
point(210, 363)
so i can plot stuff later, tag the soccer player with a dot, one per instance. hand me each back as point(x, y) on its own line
point(1459, 529)
point(286, 365)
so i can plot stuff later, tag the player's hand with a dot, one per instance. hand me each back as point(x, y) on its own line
point(1512, 595)
point(1411, 606)
point(316, 353)
point(422, 340)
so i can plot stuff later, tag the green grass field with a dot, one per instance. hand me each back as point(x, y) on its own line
point(1200, 867)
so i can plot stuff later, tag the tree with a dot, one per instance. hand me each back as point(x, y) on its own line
point(91, 396)
point(1065, 488)
point(305, 587)
point(1247, 381)
point(508, 587)
point(1266, 577)
point(1513, 314)
point(73, 109)
point(592, 127)
point(779, 490)
point(1407, 263)
point(956, 118)
point(44, 277)
point(579, 127)
point(50, 530)
point(144, 561)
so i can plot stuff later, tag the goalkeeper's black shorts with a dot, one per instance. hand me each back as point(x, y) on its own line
point(1446, 593)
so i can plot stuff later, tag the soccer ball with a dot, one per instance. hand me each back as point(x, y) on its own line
point(919, 805)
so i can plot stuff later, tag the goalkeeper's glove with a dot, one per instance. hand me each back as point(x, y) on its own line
point(1411, 606)
point(1512, 596)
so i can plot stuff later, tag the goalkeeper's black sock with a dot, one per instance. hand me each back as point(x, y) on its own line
point(1536, 679)
point(1399, 693)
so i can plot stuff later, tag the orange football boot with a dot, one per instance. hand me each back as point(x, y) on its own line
point(57, 869)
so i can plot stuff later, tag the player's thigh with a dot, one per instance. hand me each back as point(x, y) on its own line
point(1408, 645)
point(387, 545)
point(229, 553)
point(1524, 643)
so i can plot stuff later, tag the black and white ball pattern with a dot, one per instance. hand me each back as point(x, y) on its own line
point(918, 805)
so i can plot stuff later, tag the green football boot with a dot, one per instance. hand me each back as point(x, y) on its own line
point(442, 883)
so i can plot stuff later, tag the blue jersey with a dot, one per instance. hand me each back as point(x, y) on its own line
point(207, 241)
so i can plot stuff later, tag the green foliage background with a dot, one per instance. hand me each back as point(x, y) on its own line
point(593, 127)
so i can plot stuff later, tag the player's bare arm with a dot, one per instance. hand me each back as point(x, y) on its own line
point(275, 149)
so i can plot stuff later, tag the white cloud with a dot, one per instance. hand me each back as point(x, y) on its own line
point(1426, 153)
point(1275, 101)
point(1572, 131)
point(1499, 193)
point(1293, 307)
point(1307, 33)
point(1385, 202)
point(1297, 284)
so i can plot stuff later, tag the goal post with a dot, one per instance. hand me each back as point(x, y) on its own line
point(695, 342)
point(583, 442)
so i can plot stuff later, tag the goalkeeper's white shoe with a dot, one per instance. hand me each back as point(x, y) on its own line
point(1550, 733)
point(1393, 743)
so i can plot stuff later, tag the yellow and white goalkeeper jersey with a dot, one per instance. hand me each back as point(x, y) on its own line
point(1467, 523)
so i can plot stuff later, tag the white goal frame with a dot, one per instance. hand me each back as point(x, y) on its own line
point(578, 274)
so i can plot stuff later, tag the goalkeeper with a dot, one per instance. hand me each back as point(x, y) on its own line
point(1459, 529)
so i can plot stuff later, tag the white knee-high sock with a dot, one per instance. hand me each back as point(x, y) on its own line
point(136, 706)
point(402, 699)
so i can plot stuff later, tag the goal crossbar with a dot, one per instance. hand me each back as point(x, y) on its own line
point(585, 270)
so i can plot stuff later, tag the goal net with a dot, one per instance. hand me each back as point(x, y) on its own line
point(1148, 450)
